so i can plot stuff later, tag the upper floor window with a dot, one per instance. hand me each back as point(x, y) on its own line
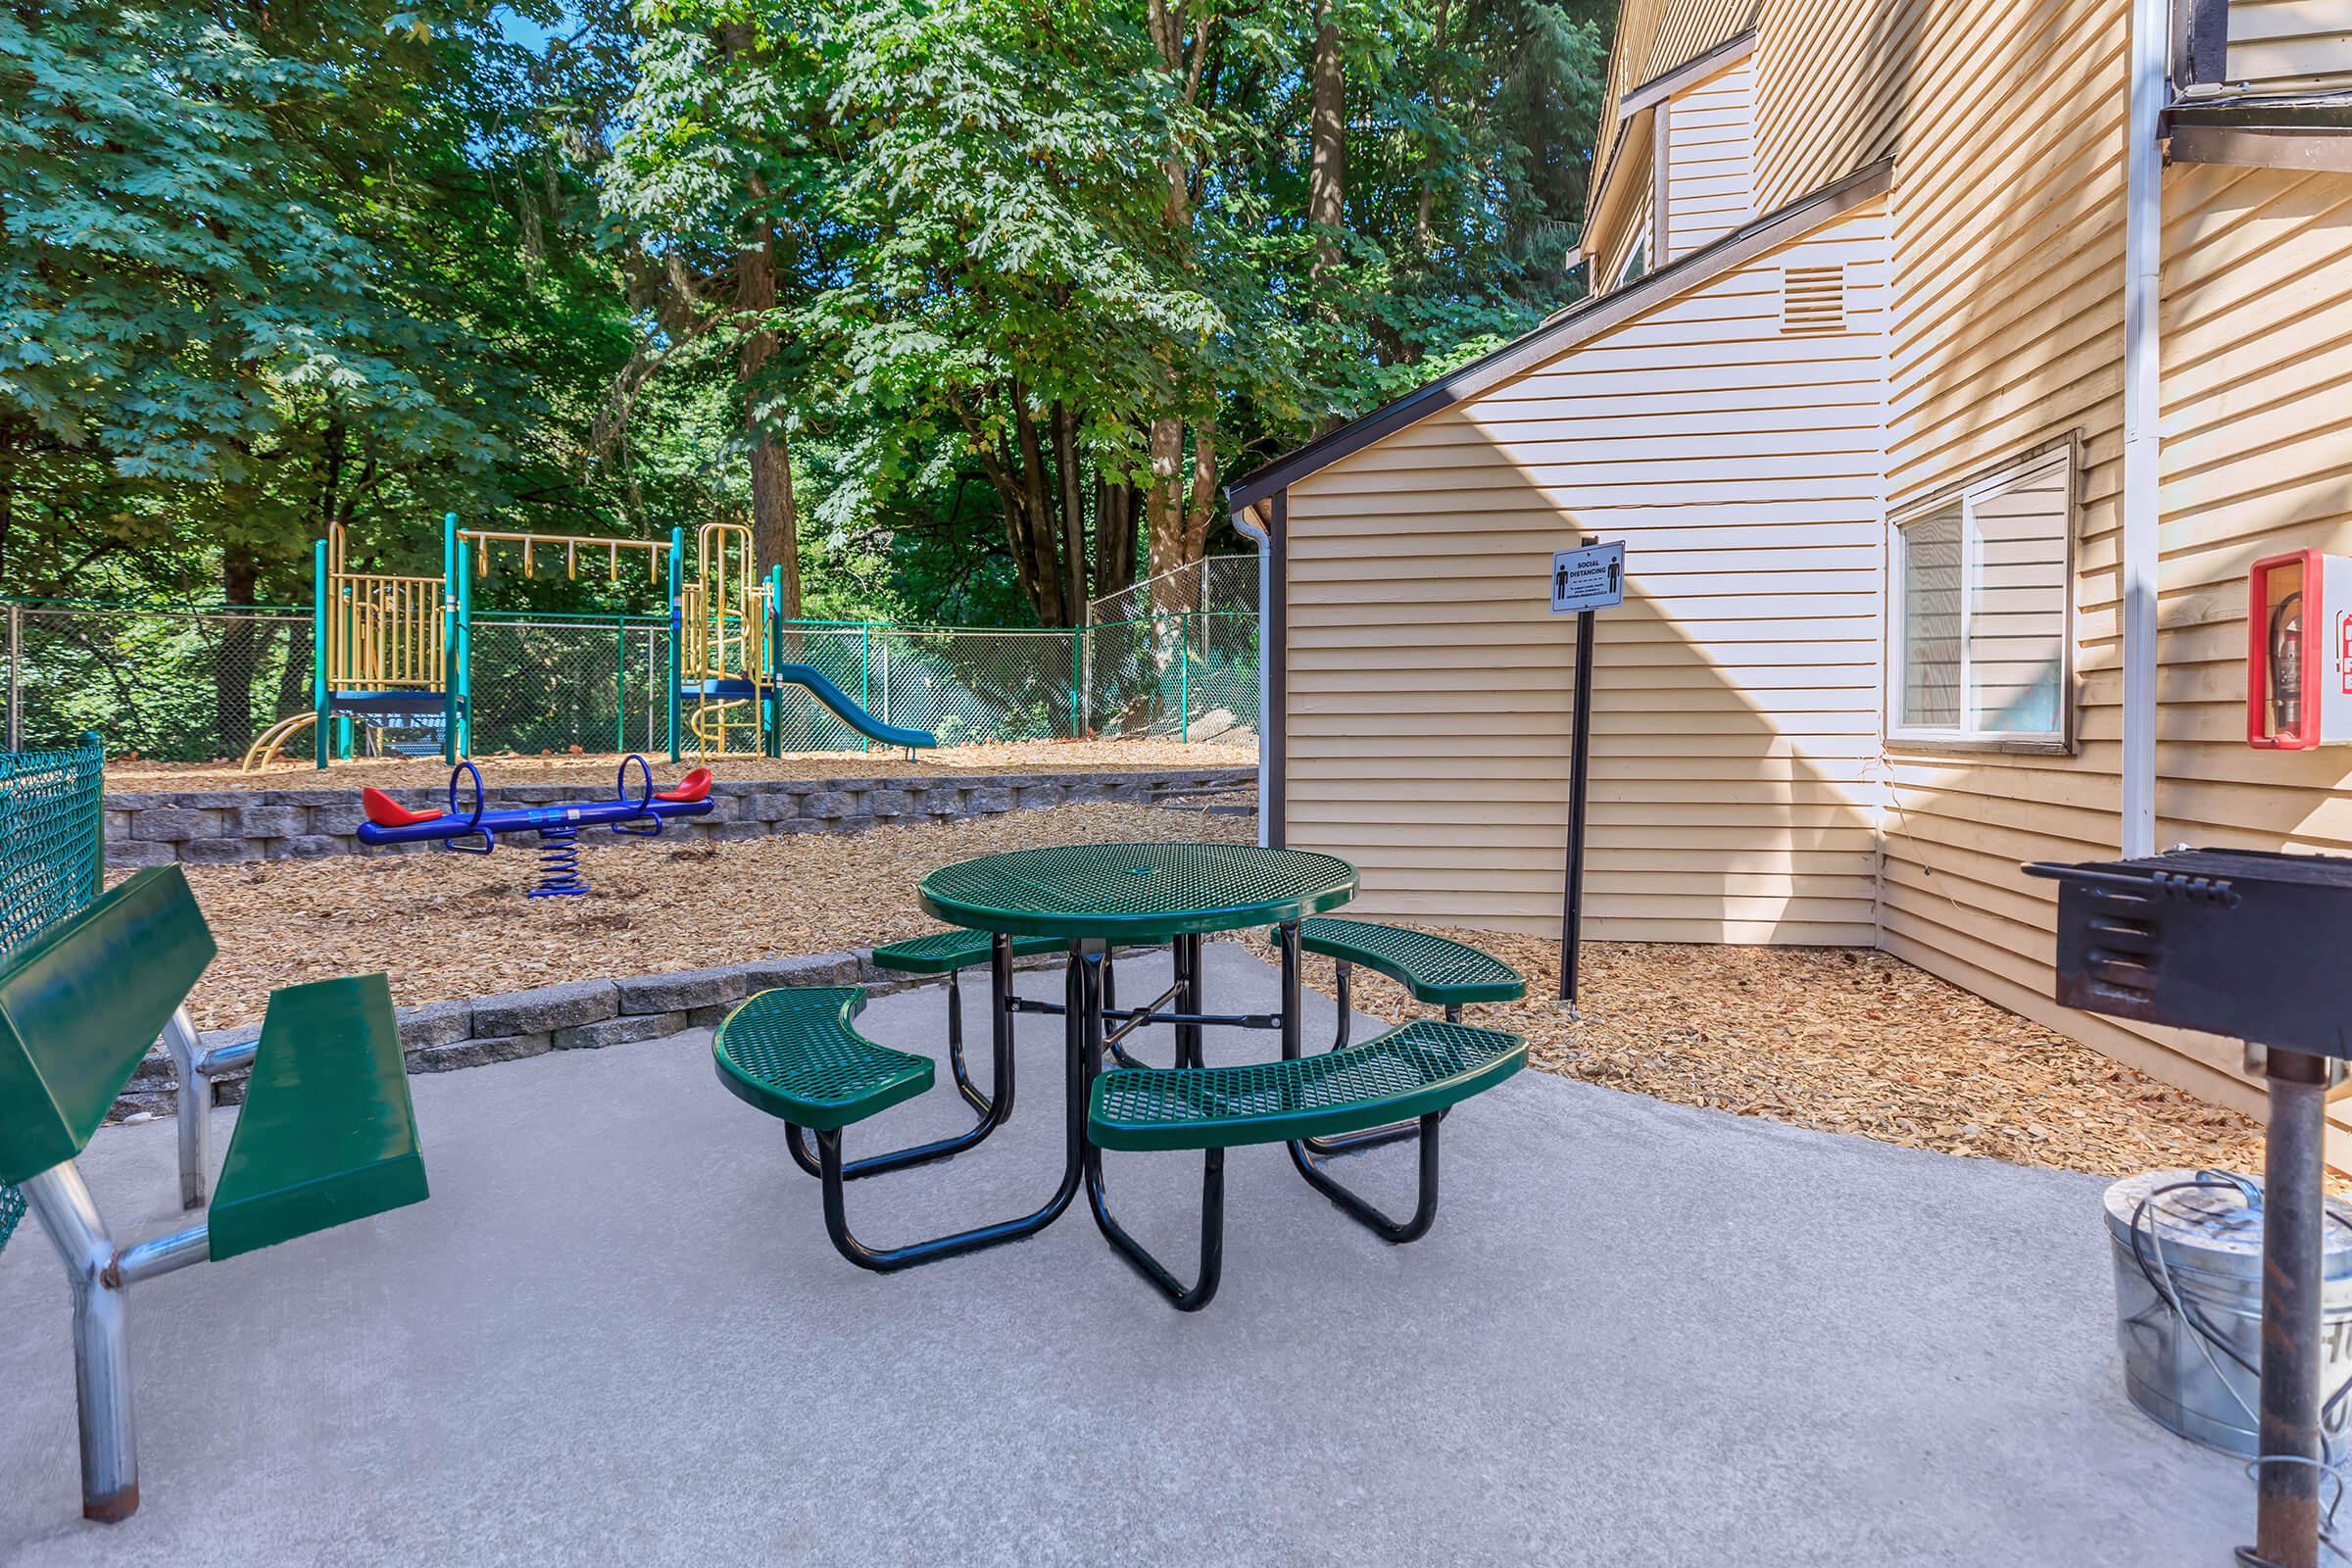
point(1979, 641)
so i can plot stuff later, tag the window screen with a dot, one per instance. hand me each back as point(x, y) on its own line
point(1981, 610)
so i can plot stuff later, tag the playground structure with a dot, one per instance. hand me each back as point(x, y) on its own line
point(558, 826)
point(392, 653)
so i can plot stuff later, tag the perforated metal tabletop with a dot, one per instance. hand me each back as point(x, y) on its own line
point(1137, 892)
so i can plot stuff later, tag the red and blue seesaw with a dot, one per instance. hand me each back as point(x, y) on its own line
point(558, 826)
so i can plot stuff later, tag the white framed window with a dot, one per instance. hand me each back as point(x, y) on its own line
point(1980, 625)
point(1637, 264)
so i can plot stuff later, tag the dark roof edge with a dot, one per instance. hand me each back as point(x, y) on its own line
point(1586, 318)
point(1656, 89)
point(1665, 82)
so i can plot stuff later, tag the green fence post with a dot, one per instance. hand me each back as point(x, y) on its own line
point(678, 628)
point(620, 684)
point(865, 675)
point(1184, 679)
point(320, 697)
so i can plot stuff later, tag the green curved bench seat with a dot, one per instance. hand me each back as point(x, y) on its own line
point(1434, 970)
point(792, 1052)
point(327, 1134)
point(959, 948)
point(1419, 1068)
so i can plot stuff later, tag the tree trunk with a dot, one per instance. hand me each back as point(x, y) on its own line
point(232, 668)
point(1052, 593)
point(1114, 536)
point(1424, 241)
point(776, 528)
point(1327, 169)
point(1203, 502)
point(1069, 499)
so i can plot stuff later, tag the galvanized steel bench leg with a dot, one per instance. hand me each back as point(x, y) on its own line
point(883, 1260)
point(195, 1103)
point(109, 1450)
point(996, 1108)
point(1425, 1211)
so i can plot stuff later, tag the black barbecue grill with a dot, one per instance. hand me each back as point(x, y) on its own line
point(2243, 943)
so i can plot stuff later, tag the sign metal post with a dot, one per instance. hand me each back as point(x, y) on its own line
point(1584, 580)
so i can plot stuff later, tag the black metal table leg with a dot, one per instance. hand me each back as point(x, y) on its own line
point(1186, 954)
point(1184, 1298)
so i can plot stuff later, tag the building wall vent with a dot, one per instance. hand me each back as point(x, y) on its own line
point(1812, 300)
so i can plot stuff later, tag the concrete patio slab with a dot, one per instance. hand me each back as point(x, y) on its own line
point(1641, 1334)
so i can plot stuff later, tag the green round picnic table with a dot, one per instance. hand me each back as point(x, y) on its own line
point(1128, 893)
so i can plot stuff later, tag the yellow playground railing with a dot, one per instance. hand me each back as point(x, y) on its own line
point(723, 629)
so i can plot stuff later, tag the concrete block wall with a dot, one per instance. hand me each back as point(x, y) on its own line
point(217, 827)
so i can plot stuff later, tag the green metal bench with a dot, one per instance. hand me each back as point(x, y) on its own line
point(1416, 1071)
point(1433, 969)
point(326, 1135)
point(793, 1053)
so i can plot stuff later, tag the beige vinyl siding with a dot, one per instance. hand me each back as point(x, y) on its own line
point(1654, 38)
point(1710, 178)
point(2005, 334)
point(1830, 82)
point(2278, 43)
point(1733, 796)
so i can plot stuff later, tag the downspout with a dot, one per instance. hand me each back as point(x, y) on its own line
point(1245, 523)
point(2143, 267)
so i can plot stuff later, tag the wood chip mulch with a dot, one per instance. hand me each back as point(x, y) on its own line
point(1844, 1040)
point(130, 775)
point(1836, 1039)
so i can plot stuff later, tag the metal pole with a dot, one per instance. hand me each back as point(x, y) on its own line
point(2143, 411)
point(2287, 1532)
point(678, 628)
point(1184, 679)
point(453, 563)
point(620, 684)
point(321, 608)
point(1580, 759)
point(109, 1449)
point(866, 674)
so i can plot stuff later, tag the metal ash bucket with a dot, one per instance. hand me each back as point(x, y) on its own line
point(2199, 1242)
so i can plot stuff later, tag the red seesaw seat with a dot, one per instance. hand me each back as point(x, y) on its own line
point(385, 811)
point(692, 787)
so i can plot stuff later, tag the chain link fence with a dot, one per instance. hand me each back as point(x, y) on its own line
point(197, 684)
point(173, 684)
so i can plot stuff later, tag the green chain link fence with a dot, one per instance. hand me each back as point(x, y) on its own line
point(49, 859)
point(1174, 658)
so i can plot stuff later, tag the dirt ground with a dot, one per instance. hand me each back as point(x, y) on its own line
point(129, 775)
point(1842, 1039)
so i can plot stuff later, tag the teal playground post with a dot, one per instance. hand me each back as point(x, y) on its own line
point(771, 712)
point(461, 678)
point(453, 561)
point(620, 683)
point(321, 697)
point(865, 675)
point(678, 630)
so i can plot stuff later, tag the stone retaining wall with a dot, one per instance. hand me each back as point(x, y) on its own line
point(581, 1015)
point(226, 826)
